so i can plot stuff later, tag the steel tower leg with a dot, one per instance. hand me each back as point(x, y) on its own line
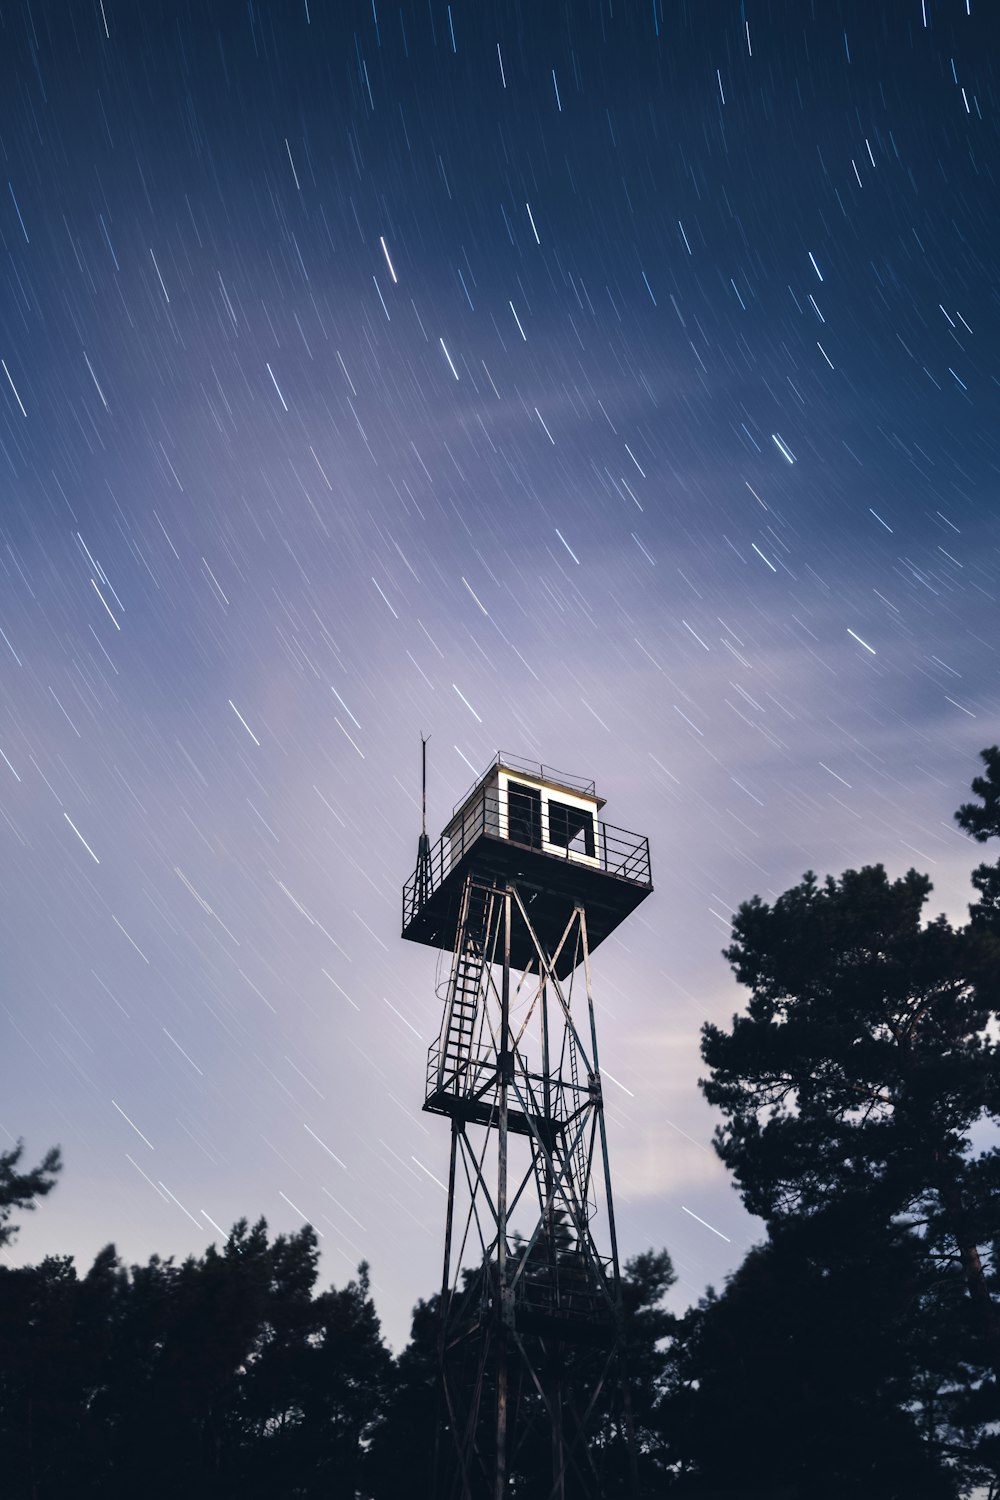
point(504, 1074)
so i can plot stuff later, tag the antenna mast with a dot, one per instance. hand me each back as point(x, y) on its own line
point(423, 843)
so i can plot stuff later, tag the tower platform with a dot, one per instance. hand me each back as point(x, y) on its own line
point(538, 830)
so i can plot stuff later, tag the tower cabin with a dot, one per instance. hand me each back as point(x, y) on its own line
point(531, 826)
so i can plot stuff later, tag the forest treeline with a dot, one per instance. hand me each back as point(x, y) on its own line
point(854, 1353)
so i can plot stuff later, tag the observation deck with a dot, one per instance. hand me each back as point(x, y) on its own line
point(537, 828)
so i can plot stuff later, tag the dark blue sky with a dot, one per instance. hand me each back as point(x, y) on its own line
point(616, 385)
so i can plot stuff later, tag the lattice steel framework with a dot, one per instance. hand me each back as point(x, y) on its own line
point(533, 1377)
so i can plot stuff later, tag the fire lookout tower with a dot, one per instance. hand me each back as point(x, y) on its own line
point(523, 884)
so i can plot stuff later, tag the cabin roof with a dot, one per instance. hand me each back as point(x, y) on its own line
point(547, 776)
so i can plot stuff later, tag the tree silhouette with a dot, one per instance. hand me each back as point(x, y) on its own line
point(863, 1066)
point(401, 1458)
point(829, 1366)
point(20, 1189)
point(224, 1374)
point(853, 1090)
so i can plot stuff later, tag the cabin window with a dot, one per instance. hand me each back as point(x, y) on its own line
point(524, 814)
point(571, 828)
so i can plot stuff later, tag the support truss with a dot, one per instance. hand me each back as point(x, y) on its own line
point(534, 1394)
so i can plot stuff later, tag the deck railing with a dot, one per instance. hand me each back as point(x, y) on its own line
point(563, 1289)
point(615, 851)
point(462, 1077)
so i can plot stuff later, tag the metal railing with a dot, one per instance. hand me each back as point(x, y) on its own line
point(475, 1075)
point(565, 1290)
point(464, 1076)
point(615, 851)
point(531, 768)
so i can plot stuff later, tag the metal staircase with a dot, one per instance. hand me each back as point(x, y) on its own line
point(580, 1171)
point(462, 1009)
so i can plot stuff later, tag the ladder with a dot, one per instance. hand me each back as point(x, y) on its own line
point(464, 988)
point(581, 1165)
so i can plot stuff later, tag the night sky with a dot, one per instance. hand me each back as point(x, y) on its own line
point(612, 384)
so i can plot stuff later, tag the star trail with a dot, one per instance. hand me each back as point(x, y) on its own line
point(610, 383)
